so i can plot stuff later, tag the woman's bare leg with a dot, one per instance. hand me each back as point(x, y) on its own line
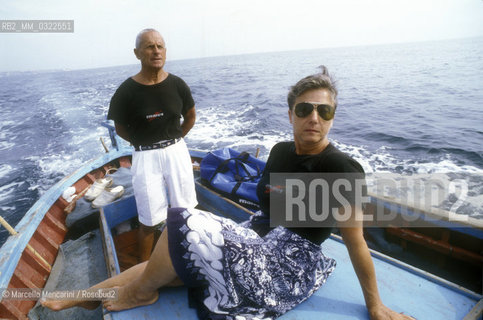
point(117, 280)
point(159, 272)
point(138, 285)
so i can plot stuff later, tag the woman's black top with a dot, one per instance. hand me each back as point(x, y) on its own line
point(283, 159)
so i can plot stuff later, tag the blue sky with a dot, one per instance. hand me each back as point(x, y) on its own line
point(105, 30)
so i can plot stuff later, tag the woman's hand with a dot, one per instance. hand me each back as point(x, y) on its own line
point(382, 312)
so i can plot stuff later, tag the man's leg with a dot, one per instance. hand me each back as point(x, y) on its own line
point(146, 241)
point(151, 200)
point(179, 176)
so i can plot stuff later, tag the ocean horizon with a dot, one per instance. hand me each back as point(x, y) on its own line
point(406, 108)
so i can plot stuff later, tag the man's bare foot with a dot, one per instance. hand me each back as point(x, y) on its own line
point(57, 305)
point(129, 297)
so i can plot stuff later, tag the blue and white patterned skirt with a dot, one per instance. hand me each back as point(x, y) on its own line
point(233, 272)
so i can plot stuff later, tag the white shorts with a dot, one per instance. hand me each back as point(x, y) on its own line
point(162, 177)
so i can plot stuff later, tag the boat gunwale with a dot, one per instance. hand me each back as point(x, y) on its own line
point(440, 217)
point(14, 246)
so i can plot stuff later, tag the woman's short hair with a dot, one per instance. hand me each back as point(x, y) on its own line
point(321, 80)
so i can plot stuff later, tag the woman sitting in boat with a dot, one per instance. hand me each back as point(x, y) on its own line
point(252, 269)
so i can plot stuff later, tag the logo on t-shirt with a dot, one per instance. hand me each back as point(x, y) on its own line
point(157, 114)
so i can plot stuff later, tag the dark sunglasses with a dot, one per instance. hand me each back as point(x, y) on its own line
point(325, 111)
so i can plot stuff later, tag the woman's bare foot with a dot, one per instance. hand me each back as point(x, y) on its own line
point(130, 297)
point(57, 305)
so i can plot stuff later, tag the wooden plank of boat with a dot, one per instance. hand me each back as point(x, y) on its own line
point(401, 286)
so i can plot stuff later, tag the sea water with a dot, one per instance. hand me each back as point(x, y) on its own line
point(403, 108)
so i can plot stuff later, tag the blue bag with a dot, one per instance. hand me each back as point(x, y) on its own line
point(233, 174)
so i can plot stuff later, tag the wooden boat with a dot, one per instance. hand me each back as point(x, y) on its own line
point(27, 257)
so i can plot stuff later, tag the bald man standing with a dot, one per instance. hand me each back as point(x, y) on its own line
point(147, 110)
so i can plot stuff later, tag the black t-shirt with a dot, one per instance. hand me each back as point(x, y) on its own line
point(284, 159)
point(151, 113)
